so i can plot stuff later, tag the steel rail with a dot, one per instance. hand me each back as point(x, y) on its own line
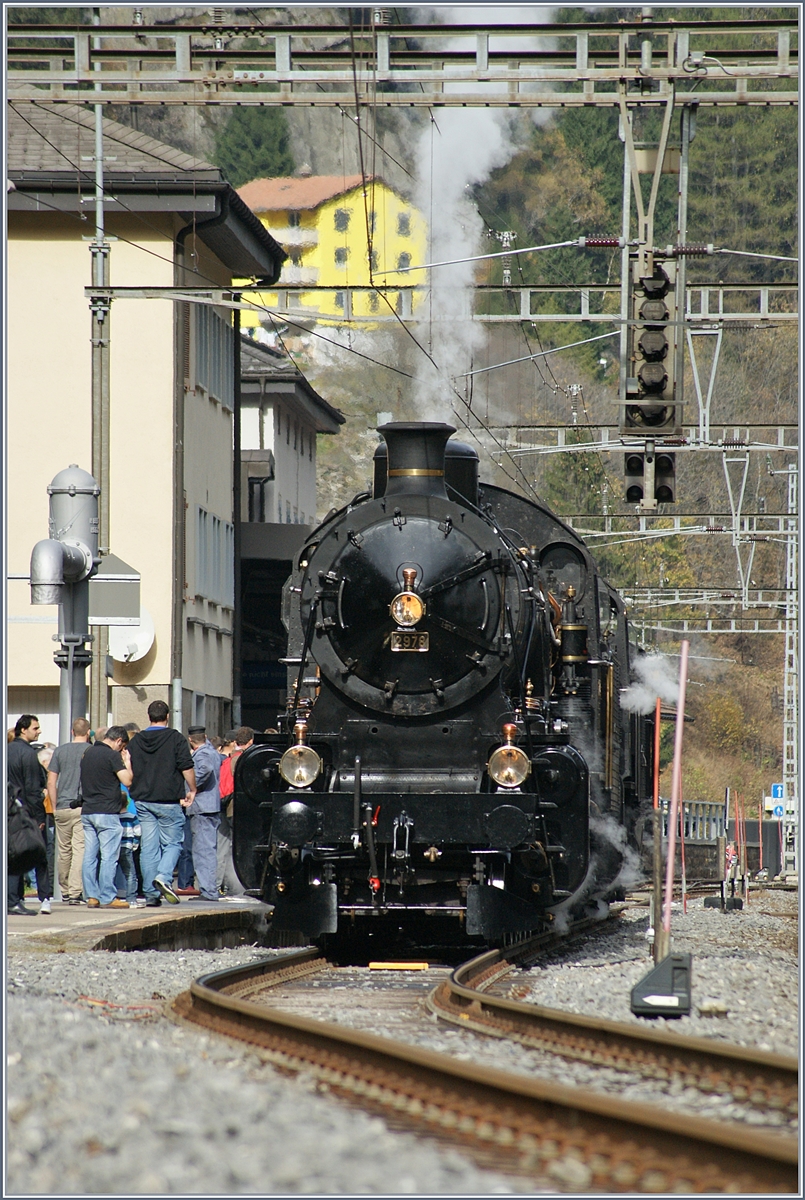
point(565, 1136)
point(766, 1080)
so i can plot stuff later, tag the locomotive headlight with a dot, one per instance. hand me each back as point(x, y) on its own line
point(407, 608)
point(508, 766)
point(300, 764)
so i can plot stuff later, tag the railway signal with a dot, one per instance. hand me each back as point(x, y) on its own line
point(649, 477)
point(648, 406)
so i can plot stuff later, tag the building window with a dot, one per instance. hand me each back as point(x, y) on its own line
point(287, 429)
point(403, 262)
point(215, 561)
point(279, 508)
point(296, 258)
point(301, 518)
point(340, 299)
point(295, 434)
point(294, 219)
point(214, 355)
point(341, 254)
point(287, 512)
point(310, 447)
point(342, 216)
point(295, 515)
point(373, 260)
point(403, 224)
point(372, 221)
point(374, 303)
point(257, 500)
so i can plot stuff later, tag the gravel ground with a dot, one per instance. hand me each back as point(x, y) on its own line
point(744, 964)
point(121, 1101)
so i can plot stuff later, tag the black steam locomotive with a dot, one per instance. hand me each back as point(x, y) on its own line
point(455, 750)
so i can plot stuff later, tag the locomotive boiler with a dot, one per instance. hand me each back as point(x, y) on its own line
point(454, 756)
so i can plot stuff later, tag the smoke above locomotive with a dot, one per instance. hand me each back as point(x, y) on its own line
point(453, 736)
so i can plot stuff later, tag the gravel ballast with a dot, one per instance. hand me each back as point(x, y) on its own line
point(122, 1101)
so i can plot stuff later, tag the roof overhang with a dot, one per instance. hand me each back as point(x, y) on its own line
point(237, 238)
point(295, 392)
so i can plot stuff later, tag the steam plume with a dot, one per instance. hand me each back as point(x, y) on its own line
point(655, 677)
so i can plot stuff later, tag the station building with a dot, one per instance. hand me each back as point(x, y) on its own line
point(325, 224)
point(281, 414)
point(171, 219)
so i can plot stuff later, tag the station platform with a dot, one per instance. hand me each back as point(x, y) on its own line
point(189, 925)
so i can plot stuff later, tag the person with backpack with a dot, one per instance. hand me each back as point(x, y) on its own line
point(161, 766)
point(27, 780)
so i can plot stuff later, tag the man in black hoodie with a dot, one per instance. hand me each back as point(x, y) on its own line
point(161, 765)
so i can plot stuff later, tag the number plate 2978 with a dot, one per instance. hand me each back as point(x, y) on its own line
point(410, 641)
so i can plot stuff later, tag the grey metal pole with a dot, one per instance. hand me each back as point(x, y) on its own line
point(237, 625)
point(687, 127)
point(99, 249)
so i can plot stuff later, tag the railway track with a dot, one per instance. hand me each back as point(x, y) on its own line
point(565, 1138)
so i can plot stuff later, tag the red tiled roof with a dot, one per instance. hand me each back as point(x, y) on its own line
point(296, 192)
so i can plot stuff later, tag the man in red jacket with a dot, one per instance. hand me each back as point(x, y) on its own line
point(228, 881)
point(161, 764)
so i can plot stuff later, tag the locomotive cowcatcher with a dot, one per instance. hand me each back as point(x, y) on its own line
point(454, 753)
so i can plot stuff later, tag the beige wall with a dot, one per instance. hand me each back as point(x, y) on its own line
point(49, 427)
point(207, 663)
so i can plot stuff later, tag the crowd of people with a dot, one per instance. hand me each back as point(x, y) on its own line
point(133, 817)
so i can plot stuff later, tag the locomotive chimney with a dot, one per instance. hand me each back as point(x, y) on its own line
point(416, 457)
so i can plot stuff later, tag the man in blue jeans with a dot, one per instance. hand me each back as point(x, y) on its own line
point(104, 767)
point(161, 765)
point(205, 812)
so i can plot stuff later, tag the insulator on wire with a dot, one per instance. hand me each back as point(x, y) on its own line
point(596, 243)
point(693, 250)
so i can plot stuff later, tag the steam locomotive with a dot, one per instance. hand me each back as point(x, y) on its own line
point(454, 752)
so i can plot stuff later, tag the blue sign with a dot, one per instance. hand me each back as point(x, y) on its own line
point(777, 791)
point(777, 811)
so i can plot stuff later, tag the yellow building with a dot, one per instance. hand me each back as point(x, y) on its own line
point(327, 224)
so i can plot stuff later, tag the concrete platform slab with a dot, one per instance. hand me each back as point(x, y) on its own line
point(188, 925)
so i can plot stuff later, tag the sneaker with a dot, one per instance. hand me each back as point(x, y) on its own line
point(155, 903)
point(140, 902)
point(19, 910)
point(93, 903)
point(117, 903)
point(44, 908)
point(167, 891)
point(188, 891)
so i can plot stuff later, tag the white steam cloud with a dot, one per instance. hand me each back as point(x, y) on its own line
point(607, 835)
point(461, 148)
point(655, 677)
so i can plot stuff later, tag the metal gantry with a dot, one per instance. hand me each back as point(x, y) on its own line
point(233, 61)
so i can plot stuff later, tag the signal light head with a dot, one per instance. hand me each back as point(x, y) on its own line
point(651, 415)
point(653, 344)
point(653, 376)
point(634, 494)
point(653, 310)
